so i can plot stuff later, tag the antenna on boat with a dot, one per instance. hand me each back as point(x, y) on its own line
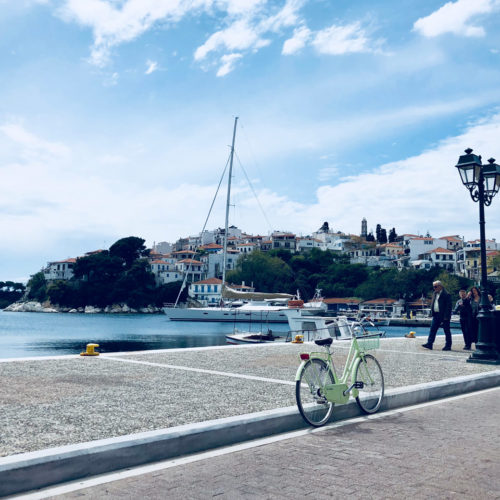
point(224, 260)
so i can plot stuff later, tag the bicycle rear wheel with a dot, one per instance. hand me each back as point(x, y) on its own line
point(313, 406)
point(370, 374)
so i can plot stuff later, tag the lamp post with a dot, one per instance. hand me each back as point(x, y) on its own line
point(483, 183)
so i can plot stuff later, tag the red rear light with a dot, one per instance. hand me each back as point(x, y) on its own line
point(304, 356)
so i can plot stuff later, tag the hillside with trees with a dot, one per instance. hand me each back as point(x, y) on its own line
point(280, 270)
point(10, 292)
point(118, 275)
point(122, 275)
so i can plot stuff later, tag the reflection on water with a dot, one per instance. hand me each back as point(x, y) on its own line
point(47, 334)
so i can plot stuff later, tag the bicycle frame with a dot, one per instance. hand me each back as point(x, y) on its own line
point(340, 391)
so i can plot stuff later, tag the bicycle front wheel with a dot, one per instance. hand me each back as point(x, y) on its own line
point(370, 374)
point(312, 404)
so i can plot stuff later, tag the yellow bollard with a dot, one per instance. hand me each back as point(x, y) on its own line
point(90, 350)
point(299, 339)
point(410, 335)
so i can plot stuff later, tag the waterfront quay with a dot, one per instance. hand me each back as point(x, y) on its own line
point(73, 417)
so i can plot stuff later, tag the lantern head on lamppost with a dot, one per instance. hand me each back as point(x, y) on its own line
point(483, 183)
point(473, 173)
point(469, 167)
point(491, 174)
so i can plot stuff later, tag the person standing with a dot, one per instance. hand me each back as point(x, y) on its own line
point(475, 300)
point(441, 316)
point(463, 308)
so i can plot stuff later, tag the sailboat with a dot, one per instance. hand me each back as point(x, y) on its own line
point(250, 307)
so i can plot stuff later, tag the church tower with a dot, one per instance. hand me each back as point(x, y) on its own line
point(364, 228)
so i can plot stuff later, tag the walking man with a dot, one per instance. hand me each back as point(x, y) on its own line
point(441, 316)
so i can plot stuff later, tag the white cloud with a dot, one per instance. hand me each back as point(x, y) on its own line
point(114, 23)
point(297, 42)
point(151, 67)
point(248, 31)
point(61, 210)
point(228, 63)
point(328, 173)
point(32, 143)
point(334, 40)
point(337, 40)
point(456, 17)
point(239, 36)
point(415, 194)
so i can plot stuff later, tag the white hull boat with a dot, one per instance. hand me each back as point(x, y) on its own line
point(317, 327)
point(256, 337)
point(247, 313)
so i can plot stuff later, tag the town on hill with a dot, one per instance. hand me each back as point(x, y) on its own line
point(347, 268)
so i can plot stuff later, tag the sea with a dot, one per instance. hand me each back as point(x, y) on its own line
point(25, 334)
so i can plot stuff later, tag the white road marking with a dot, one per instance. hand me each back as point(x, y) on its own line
point(141, 470)
point(202, 370)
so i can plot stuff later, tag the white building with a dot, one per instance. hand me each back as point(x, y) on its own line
point(442, 257)
point(162, 247)
point(213, 262)
point(244, 248)
point(307, 243)
point(59, 270)
point(194, 269)
point(337, 242)
point(165, 272)
point(207, 291)
point(283, 240)
point(420, 245)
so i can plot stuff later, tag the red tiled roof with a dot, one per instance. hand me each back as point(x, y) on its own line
point(380, 301)
point(209, 281)
point(212, 245)
point(190, 261)
point(440, 250)
point(420, 302)
point(337, 300)
point(450, 238)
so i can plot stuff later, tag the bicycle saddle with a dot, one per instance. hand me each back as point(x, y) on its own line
point(327, 341)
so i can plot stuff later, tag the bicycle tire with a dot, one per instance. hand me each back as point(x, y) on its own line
point(370, 373)
point(313, 407)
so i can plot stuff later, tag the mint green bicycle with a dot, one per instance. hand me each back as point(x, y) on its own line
point(318, 388)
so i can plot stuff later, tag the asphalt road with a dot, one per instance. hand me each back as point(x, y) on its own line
point(445, 449)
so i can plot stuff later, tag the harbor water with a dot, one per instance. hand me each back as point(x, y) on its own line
point(48, 334)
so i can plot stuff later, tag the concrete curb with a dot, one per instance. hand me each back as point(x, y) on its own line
point(34, 470)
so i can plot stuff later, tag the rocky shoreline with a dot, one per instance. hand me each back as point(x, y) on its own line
point(47, 307)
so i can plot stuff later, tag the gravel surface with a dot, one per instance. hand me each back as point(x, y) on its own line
point(47, 403)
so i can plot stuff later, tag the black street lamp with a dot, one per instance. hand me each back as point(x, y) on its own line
point(483, 183)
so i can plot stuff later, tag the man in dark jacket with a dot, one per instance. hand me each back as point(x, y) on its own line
point(441, 316)
point(463, 308)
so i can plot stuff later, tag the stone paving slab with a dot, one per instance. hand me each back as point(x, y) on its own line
point(55, 402)
point(428, 452)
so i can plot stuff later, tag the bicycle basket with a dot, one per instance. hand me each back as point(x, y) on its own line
point(368, 343)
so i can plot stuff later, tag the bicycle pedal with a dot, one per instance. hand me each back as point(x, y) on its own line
point(359, 385)
point(321, 401)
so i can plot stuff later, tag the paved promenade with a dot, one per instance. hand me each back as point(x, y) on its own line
point(449, 449)
point(119, 410)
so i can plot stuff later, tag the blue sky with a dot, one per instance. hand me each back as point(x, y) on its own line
point(116, 116)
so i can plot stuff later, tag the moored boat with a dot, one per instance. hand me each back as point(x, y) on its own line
point(255, 337)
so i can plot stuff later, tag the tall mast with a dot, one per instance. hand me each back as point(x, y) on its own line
point(224, 260)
